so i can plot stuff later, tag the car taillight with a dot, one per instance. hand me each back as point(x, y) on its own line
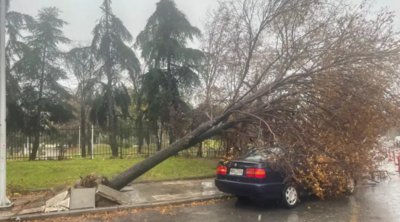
point(256, 173)
point(222, 170)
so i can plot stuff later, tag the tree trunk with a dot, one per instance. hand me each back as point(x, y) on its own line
point(159, 136)
point(139, 124)
point(112, 119)
point(83, 130)
point(203, 132)
point(171, 134)
point(113, 144)
point(39, 110)
point(171, 110)
point(200, 150)
point(88, 140)
point(158, 140)
point(113, 135)
point(35, 148)
point(140, 141)
point(112, 124)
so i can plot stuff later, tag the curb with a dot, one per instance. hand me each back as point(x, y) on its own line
point(134, 182)
point(114, 208)
point(169, 180)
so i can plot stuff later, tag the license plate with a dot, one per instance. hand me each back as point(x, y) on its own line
point(236, 172)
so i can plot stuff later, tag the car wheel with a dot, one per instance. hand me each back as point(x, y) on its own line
point(290, 196)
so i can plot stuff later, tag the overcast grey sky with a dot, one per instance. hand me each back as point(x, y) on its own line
point(83, 14)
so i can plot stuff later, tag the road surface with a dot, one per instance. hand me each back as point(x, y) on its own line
point(371, 202)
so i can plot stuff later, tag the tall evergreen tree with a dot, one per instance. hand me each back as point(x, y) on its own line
point(110, 38)
point(16, 23)
point(82, 63)
point(172, 67)
point(43, 98)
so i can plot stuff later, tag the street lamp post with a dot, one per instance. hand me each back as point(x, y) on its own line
point(4, 201)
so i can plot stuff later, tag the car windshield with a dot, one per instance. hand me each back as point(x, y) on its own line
point(263, 154)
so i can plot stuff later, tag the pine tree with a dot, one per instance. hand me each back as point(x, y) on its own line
point(109, 44)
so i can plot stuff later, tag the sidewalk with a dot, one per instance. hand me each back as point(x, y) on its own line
point(142, 195)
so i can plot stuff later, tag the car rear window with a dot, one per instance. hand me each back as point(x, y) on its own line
point(255, 158)
point(263, 154)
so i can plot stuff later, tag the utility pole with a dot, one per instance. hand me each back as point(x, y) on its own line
point(4, 201)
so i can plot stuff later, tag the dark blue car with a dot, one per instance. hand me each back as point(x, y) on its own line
point(252, 176)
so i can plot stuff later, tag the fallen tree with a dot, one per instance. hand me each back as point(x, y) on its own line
point(315, 77)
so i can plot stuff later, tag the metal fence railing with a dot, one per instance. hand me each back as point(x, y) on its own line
point(66, 144)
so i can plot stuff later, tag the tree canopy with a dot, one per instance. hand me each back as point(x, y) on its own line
point(109, 44)
point(312, 77)
point(306, 79)
point(44, 100)
point(172, 68)
point(15, 48)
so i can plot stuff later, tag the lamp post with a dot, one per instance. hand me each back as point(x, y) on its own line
point(4, 201)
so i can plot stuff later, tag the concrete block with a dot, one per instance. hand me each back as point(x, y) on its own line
point(114, 195)
point(82, 198)
point(60, 206)
point(52, 202)
point(65, 203)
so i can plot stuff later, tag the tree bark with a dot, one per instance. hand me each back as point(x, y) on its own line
point(88, 140)
point(113, 139)
point(200, 150)
point(112, 119)
point(35, 148)
point(83, 129)
point(203, 132)
point(112, 124)
point(159, 136)
point(139, 131)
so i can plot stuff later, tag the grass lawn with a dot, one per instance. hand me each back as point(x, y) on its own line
point(27, 176)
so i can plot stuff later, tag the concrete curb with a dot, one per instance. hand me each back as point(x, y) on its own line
point(134, 182)
point(114, 208)
point(169, 180)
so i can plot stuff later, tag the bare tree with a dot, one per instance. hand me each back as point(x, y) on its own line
point(292, 69)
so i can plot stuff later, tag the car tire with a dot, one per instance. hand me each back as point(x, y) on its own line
point(290, 196)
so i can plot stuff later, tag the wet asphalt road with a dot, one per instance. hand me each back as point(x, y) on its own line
point(371, 202)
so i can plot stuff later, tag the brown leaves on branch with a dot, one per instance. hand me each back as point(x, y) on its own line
point(322, 82)
point(317, 78)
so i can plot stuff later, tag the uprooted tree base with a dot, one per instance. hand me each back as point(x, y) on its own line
point(92, 180)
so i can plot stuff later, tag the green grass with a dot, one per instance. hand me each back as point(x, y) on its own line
point(25, 176)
